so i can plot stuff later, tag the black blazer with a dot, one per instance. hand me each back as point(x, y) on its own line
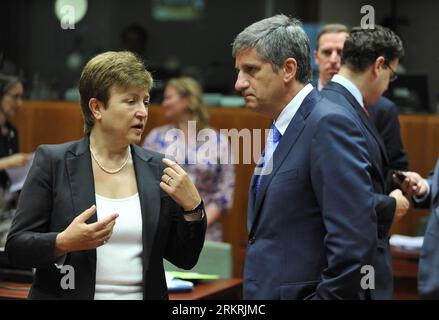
point(60, 186)
point(384, 205)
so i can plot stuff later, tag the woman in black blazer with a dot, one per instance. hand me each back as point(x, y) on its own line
point(97, 216)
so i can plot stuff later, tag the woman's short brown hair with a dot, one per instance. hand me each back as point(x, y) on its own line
point(122, 69)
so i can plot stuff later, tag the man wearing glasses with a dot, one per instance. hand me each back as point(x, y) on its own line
point(368, 60)
point(383, 112)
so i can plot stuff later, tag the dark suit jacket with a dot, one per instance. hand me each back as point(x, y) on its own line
point(59, 187)
point(384, 115)
point(312, 224)
point(428, 284)
point(385, 205)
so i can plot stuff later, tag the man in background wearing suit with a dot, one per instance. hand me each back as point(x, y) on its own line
point(383, 112)
point(311, 211)
point(368, 61)
point(425, 194)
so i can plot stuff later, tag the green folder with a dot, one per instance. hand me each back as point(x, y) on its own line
point(193, 275)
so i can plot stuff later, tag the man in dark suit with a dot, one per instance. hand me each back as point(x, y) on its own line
point(425, 194)
point(311, 217)
point(383, 112)
point(367, 63)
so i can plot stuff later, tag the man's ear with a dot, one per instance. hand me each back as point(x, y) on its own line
point(290, 69)
point(379, 64)
point(95, 107)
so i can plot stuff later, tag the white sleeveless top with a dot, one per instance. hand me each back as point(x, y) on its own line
point(119, 261)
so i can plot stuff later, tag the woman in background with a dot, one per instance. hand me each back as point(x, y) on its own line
point(11, 100)
point(214, 179)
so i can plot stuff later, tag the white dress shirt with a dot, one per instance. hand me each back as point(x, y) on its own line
point(287, 114)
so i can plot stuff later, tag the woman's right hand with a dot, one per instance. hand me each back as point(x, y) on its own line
point(82, 236)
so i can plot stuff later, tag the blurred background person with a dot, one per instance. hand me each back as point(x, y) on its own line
point(183, 102)
point(11, 99)
point(135, 38)
point(329, 44)
point(75, 191)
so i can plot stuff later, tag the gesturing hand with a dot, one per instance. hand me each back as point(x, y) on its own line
point(179, 186)
point(82, 236)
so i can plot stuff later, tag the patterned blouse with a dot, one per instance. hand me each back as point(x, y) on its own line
point(213, 176)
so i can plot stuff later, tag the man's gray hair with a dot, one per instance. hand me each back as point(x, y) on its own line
point(277, 39)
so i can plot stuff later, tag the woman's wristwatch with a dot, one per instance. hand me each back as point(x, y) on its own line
point(195, 214)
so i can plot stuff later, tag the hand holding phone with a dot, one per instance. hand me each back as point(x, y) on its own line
point(400, 175)
point(411, 183)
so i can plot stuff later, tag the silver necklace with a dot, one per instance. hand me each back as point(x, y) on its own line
point(111, 171)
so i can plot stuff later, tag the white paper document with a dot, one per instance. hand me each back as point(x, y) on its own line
point(406, 242)
point(177, 285)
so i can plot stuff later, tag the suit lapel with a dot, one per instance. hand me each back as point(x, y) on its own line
point(285, 144)
point(82, 186)
point(149, 194)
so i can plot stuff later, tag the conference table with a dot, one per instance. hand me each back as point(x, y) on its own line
point(222, 289)
point(405, 273)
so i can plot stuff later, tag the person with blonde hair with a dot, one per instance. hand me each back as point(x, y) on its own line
point(103, 208)
point(214, 179)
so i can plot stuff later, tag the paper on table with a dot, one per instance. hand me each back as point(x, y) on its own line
point(18, 175)
point(406, 242)
point(177, 285)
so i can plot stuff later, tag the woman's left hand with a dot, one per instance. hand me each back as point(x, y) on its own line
point(179, 186)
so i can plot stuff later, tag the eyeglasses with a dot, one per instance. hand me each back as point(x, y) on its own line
point(394, 75)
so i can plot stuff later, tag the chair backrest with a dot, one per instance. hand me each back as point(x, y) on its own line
point(215, 258)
